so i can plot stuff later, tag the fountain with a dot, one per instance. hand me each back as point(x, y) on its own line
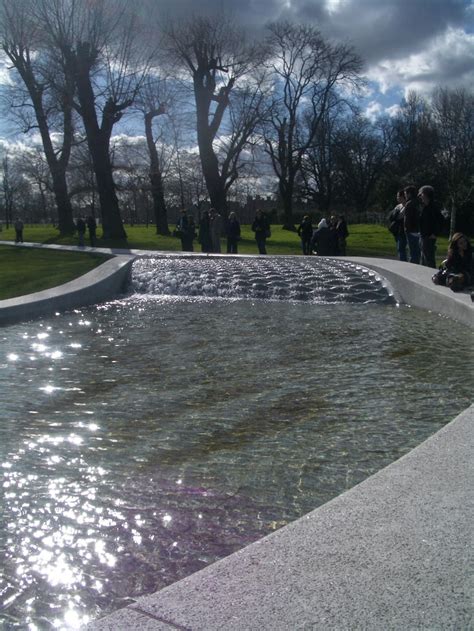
point(218, 401)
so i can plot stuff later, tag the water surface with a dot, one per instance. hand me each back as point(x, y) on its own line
point(143, 439)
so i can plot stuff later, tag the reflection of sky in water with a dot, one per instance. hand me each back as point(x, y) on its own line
point(141, 440)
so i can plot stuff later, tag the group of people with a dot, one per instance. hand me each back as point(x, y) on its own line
point(209, 231)
point(415, 223)
point(81, 226)
point(328, 239)
point(211, 228)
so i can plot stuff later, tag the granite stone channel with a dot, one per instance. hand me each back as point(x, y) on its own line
point(263, 440)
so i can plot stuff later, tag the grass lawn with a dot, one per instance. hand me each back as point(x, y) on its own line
point(25, 270)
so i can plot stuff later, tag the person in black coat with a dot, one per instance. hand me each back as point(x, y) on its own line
point(205, 233)
point(233, 233)
point(430, 225)
point(305, 233)
point(261, 227)
point(92, 227)
point(81, 230)
point(411, 222)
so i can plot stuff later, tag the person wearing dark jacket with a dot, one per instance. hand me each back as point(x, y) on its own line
point(81, 230)
point(185, 229)
point(205, 233)
point(430, 224)
point(323, 241)
point(233, 233)
point(92, 227)
point(457, 271)
point(411, 223)
point(305, 233)
point(342, 233)
point(396, 225)
point(261, 227)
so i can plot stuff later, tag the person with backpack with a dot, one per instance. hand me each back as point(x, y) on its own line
point(430, 225)
point(396, 227)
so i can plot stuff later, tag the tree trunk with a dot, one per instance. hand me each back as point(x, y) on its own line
point(98, 141)
point(286, 194)
point(210, 166)
point(57, 165)
point(156, 180)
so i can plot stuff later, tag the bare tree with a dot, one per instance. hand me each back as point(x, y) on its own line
point(307, 70)
point(153, 102)
point(318, 167)
point(454, 117)
point(361, 154)
point(99, 42)
point(215, 54)
point(22, 41)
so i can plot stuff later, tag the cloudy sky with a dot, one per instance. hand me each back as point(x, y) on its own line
point(406, 44)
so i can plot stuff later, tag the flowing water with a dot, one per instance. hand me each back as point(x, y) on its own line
point(144, 438)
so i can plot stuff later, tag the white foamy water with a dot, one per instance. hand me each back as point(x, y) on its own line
point(313, 279)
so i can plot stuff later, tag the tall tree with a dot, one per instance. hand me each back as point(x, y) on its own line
point(307, 70)
point(318, 169)
point(100, 44)
point(153, 102)
point(361, 155)
point(215, 54)
point(23, 42)
point(453, 112)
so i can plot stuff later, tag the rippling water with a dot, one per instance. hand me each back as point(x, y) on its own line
point(314, 279)
point(146, 438)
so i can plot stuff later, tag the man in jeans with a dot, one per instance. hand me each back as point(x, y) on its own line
point(412, 224)
point(430, 224)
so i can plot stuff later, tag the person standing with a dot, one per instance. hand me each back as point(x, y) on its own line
point(342, 233)
point(430, 225)
point(18, 230)
point(205, 233)
point(305, 232)
point(261, 227)
point(396, 225)
point(190, 234)
point(81, 230)
point(411, 223)
point(182, 230)
point(216, 230)
point(92, 227)
point(233, 233)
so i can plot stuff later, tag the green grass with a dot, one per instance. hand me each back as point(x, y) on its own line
point(25, 270)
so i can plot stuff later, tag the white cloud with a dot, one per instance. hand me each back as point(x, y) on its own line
point(373, 110)
point(447, 60)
